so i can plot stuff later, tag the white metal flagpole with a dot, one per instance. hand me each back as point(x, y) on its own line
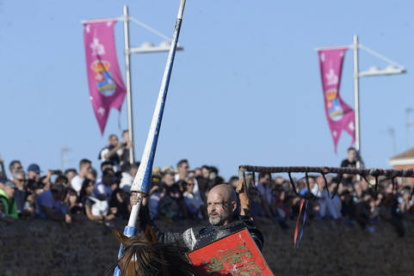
point(356, 95)
point(128, 85)
point(128, 231)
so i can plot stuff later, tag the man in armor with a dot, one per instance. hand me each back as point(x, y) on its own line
point(223, 218)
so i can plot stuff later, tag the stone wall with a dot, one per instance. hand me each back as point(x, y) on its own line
point(34, 247)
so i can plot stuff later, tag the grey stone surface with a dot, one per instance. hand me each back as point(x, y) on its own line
point(34, 247)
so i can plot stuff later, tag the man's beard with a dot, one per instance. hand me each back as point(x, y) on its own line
point(217, 221)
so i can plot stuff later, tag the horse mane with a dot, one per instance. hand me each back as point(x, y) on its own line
point(152, 258)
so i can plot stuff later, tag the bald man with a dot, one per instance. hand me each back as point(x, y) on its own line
point(221, 207)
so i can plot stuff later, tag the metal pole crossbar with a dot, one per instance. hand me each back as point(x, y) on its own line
point(389, 173)
point(376, 173)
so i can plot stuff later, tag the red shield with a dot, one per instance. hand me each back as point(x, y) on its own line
point(236, 254)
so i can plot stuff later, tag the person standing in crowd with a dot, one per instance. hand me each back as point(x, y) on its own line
point(49, 204)
point(330, 207)
point(8, 208)
point(3, 171)
point(405, 200)
point(107, 165)
point(350, 162)
point(192, 203)
point(157, 193)
point(13, 166)
point(198, 172)
point(2, 182)
point(95, 208)
point(113, 151)
point(119, 204)
point(205, 172)
point(19, 178)
point(124, 156)
point(234, 182)
point(263, 186)
point(92, 175)
point(3, 175)
point(171, 202)
point(183, 168)
point(128, 176)
point(61, 179)
point(278, 208)
point(303, 186)
point(70, 174)
point(85, 167)
point(104, 188)
point(86, 190)
point(254, 196)
point(73, 202)
point(33, 172)
point(34, 180)
point(215, 179)
point(203, 181)
point(46, 181)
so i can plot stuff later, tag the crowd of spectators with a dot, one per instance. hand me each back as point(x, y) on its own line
point(345, 198)
point(181, 193)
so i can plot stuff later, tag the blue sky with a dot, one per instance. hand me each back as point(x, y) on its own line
point(246, 90)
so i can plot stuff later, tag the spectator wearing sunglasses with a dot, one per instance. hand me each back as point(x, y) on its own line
point(19, 178)
point(192, 202)
point(13, 166)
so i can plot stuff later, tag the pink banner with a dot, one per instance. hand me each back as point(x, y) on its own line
point(340, 115)
point(106, 87)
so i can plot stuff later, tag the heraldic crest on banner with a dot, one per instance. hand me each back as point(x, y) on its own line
point(103, 77)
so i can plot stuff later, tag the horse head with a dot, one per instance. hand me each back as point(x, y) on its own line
point(143, 256)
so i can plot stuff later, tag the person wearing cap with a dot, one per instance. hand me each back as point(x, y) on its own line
point(8, 208)
point(33, 172)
